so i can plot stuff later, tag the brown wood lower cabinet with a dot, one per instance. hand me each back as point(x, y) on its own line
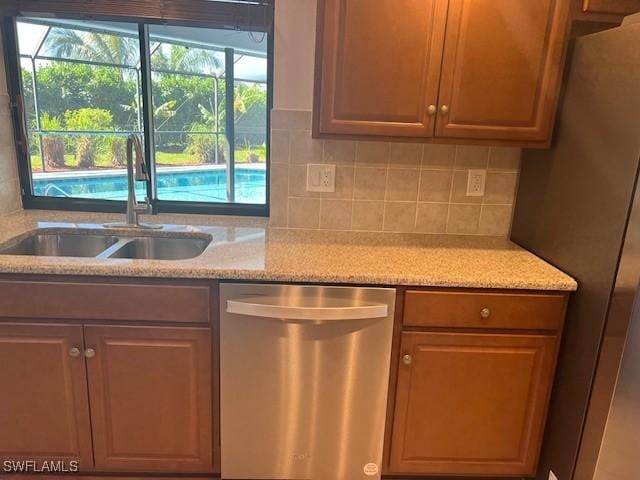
point(44, 413)
point(150, 393)
point(471, 403)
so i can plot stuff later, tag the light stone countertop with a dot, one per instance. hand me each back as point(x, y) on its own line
point(247, 249)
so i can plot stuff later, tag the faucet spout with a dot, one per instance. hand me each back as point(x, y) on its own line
point(136, 171)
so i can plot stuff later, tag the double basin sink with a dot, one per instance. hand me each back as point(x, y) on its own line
point(103, 245)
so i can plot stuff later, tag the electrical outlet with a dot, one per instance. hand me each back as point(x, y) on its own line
point(552, 476)
point(475, 183)
point(321, 178)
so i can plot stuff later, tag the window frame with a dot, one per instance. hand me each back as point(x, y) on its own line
point(31, 201)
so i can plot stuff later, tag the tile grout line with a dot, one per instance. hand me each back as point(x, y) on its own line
point(289, 161)
point(320, 195)
point(415, 218)
point(453, 176)
point(484, 196)
point(353, 189)
point(386, 184)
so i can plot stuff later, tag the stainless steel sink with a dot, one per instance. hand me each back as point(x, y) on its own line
point(161, 248)
point(60, 245)
point(104, 245)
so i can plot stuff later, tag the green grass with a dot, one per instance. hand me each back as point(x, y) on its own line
point(162, 158)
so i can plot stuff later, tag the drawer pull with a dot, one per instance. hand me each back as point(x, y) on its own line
point(74, 352)
point(89, 353)
point(485, 313)
point(407, 359)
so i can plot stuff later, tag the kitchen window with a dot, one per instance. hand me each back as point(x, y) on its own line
point(198, 96)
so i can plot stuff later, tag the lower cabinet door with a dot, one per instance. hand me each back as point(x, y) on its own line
point(150, 393)
point(471, 404)
point(44, 409)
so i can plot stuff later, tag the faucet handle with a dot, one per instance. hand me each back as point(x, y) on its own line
point(143, 207)
point(140, 170)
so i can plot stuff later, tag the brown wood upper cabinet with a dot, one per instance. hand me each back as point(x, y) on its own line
point(380, 66)
point(467, 71)
point(612, 7)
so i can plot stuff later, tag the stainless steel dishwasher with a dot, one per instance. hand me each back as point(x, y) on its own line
point(304, 379)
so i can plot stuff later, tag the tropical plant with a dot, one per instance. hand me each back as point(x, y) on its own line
point(93, 46)
point(88, 119)
point(85, 152)
point(201, 144)
point(246, 95)
point(176, 100)
point(52, 146)
point(118, 151)
point(185, 59)
point(68, 86)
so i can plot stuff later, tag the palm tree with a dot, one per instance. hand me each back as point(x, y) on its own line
point(185, 59)
point(93, 46)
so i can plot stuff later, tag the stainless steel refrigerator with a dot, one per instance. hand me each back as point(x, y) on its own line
point(578, 207)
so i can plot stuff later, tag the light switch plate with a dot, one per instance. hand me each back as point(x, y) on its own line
point(552, 476)
point(475, 183)
point(321, 177)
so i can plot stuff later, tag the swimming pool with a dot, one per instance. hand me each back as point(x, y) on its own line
point(188, 184)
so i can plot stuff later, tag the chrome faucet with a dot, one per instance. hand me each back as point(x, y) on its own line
point(136, 171)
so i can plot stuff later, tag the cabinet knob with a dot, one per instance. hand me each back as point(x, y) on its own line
point(485, 313)
point(407, 359)
point(74, 352)
point(444, 109)
point(89, 353)
point(431, 110)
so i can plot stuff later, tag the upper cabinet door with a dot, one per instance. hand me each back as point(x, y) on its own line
point(151, 398)
point(378, 65)
point(615, 7)
point(502, 68)
point(44, 407)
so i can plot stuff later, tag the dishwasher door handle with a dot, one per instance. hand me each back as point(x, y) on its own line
point(254, 308)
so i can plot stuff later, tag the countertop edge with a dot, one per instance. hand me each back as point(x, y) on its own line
point(568, 286)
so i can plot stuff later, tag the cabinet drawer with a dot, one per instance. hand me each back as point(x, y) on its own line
point(105, 301)
point(484, 310)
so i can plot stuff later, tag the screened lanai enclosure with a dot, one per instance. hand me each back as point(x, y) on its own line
point(204, 122)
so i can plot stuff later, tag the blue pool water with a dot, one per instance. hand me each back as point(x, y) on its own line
point(195, 185)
